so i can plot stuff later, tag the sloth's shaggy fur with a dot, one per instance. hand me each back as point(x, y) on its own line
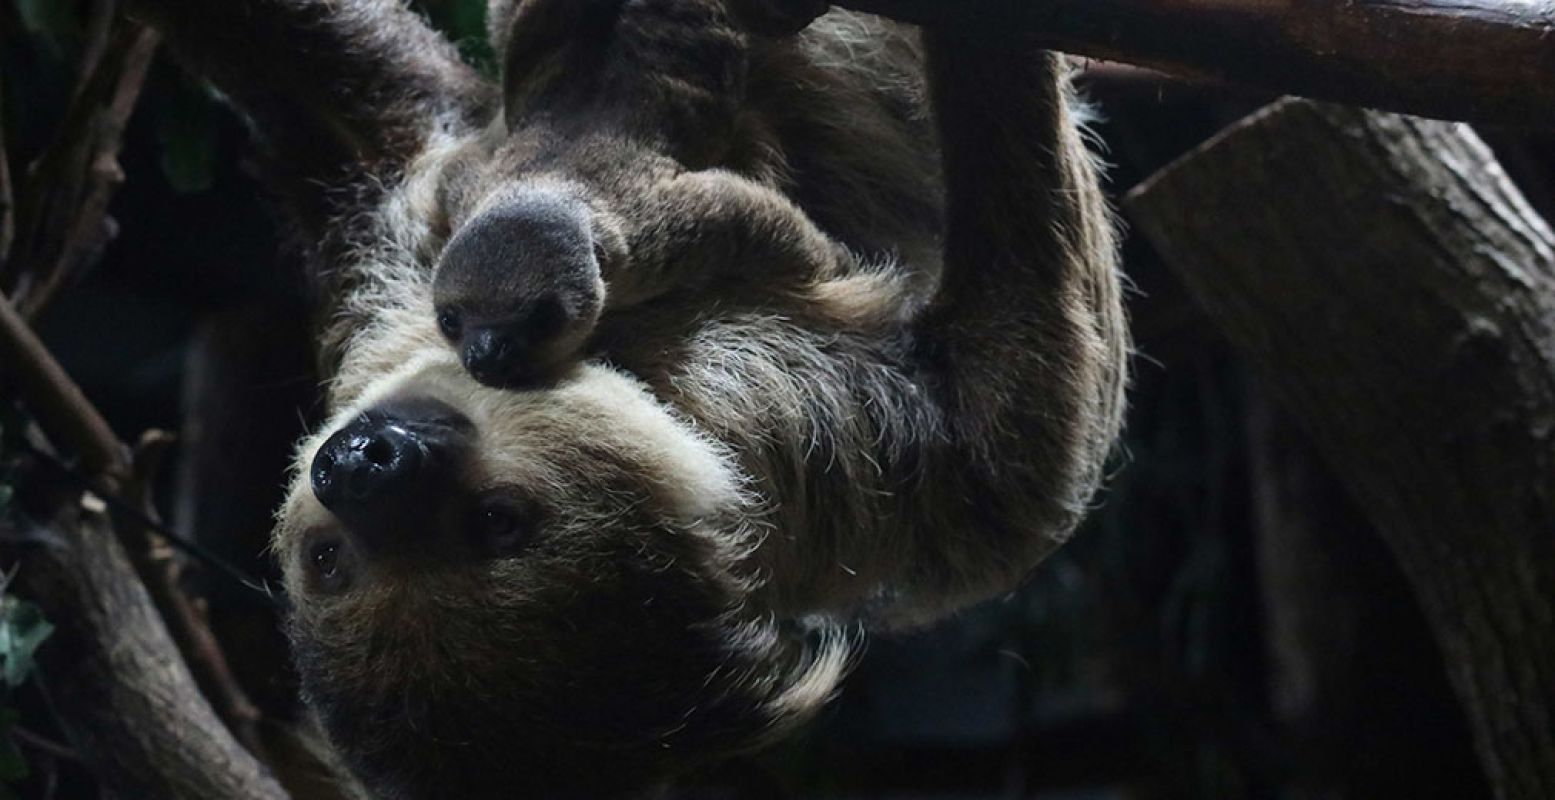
point(860, 357)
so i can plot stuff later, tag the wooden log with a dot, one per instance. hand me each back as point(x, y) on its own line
point(1487, 61)
point(1398, 294)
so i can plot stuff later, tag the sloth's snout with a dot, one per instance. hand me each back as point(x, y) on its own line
point(361, 465)
point(511, 352)
point(519, 288)
point(377, 473)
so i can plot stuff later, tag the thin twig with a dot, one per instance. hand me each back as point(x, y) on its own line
point(99, 26)
point(66, 413)
point(162, 574)
point(64, 209)
point(7, 201)
point(61, 409)
point(43, 744)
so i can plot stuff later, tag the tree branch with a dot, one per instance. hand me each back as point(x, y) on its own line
point(1399, 295)
point(63, 411)
point(7, 197)
point(129, 704)
point(162, 574)
point(99, 26)
point(64, 209)
point(1475, 60)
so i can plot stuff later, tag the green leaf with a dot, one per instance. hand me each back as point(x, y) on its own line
point(22, 630)
point(463, 22)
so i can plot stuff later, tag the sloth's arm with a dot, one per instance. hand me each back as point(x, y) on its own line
point(333, 86)
point(668, 74)
point(1025, 340)
point(714, 229)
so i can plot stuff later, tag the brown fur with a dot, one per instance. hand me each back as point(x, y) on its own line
point(823, 383)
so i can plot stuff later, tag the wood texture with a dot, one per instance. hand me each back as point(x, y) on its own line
point(1399, 295)
point(115, 676)
point(1475, 60)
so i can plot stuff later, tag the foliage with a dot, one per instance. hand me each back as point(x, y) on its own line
point(22, 629)
point(464, 22)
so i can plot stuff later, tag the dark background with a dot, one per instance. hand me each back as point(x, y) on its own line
point(1186, 644)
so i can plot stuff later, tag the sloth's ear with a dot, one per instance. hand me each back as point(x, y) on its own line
point(335, 89)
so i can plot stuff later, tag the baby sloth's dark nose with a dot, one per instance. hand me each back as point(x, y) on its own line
point(510, 352)
point(376, 473)
point(518, 288)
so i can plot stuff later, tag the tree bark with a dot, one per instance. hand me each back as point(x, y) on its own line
point(1476, 60)
point(115, 677)
point(1399, 296)
point(1357, 684)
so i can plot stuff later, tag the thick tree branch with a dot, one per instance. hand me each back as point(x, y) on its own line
point(1475, 60)
point(1399, 295)
point(129, 703)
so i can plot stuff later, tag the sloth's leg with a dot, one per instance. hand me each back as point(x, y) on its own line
point(669, 75)
point(336, 87)
point(1025, 340)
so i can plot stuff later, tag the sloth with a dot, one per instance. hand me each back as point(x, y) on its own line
point(711, 333)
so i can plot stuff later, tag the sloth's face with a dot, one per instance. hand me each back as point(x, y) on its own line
point(496, 590)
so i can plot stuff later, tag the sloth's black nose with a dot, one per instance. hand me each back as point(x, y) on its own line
point(362, 463)
point(506, 353)
point(375, 473)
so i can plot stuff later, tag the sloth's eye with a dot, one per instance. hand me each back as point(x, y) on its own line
point(448, 322)
point(502, 526)
point(324, 557)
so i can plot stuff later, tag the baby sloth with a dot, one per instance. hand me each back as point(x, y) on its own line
point(709, 336)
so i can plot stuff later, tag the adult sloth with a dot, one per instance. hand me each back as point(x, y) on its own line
point(709, 339)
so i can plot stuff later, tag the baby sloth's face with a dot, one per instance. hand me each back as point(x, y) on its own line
point(501, 592)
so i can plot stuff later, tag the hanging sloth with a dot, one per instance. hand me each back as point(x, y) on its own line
point(714, 331)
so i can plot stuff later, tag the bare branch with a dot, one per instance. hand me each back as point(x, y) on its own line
point(162, 574)
point(129, 703)
point(1475, 60)
point(7, 198)
point(64, 208)
point(63, 411)
point(66, 413)
point(99, 25)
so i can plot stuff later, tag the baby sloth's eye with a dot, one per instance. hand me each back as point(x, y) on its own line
point(448, 322)
point(502, 525)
